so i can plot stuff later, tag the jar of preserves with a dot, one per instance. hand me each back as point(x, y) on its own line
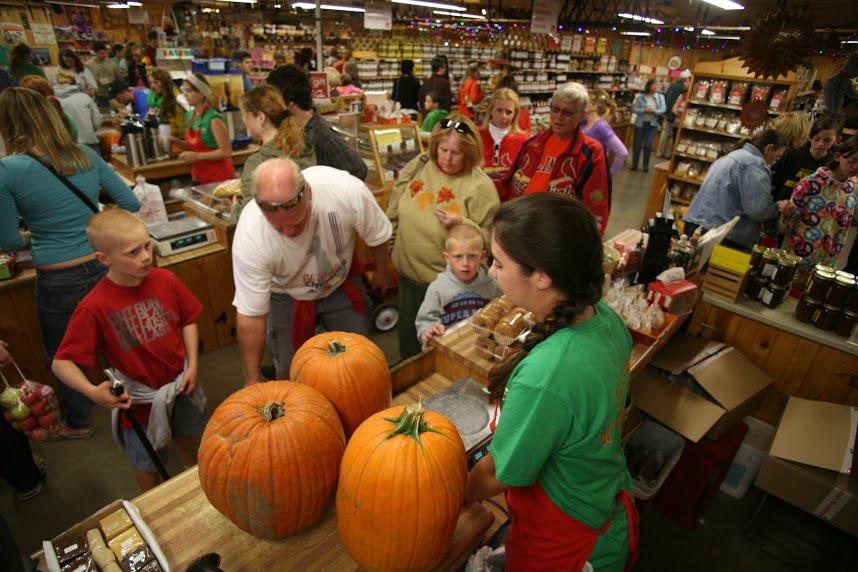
point(785, 270)
point(826, 317)
point(770, 263)
point(823, 268)
point(757, 258)
point(840, 291)
point(852, 301)
point(846, 324)
point(844, 274)
point(772, 295)
point(806, 310)
point(755, 286)
point(819, 284)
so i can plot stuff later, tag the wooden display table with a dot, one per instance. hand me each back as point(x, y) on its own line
point(803, 360)
point(657, 191)
point(170, 167)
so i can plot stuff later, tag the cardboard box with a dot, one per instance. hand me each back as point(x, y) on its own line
point(733, 384)
point(810, 464)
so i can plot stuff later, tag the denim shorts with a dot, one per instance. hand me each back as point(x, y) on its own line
point(185, 421)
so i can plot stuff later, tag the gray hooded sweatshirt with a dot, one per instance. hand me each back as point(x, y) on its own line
point(448, 300)
point(83, 110)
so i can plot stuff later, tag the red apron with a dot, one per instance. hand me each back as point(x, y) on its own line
point(544, 538)
point(206, 171)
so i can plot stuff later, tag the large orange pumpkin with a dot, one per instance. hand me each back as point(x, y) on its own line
point(269, 458)
point(401, 490)
point(349, 370)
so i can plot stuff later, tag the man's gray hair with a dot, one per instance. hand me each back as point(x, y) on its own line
point(571, 92)
point(284, 174)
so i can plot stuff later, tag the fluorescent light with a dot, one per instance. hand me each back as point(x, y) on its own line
point(240, 1)
point(459, 14)
point(706, 32)
point(431, 5)
point(635, 33)
point(311, 6)
point(850, 42)
point(135, 4)
point(71, 4)
point(637, 18)
point(119, 6)
point(725, 4)
point(725, 37)
point(688, 28)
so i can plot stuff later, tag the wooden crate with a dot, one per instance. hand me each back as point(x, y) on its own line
point(724, 283)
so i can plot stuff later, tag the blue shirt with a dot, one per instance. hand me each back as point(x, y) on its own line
point(56, 216)
point(737, 184)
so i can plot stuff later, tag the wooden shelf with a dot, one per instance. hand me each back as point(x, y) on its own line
point(682, 202)
point(695, 157)
point(682, 179)
point(715, 132)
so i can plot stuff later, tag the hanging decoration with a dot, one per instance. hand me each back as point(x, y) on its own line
point(777, 44)
point(754, 113)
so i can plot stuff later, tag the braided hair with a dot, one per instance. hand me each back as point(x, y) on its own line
point(268, 100)
point(557, 235)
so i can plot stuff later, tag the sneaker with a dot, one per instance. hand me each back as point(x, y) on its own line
point(42, 464)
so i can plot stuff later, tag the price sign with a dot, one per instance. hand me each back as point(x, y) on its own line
point(388, 137)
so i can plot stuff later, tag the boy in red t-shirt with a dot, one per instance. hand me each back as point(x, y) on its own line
point(143, 319)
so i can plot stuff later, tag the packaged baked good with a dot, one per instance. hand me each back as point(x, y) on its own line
point(690, 117)
point(228, 188)
point(718, 91)
point(778, 98)
point(701, 90)
point(114, 524)
point(737, 92)
point(486, 344)
point(126, 543)
point(700, 120)
point(82, 563)
point(136, 560)
point(112, 567)
point(70, 548)
point(712, 120)
point(103, 556)
point(95, 540)
point(504, 304)
point(760, 91)
point(510, 326)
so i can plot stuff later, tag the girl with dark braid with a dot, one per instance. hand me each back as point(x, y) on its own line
point(556, 451)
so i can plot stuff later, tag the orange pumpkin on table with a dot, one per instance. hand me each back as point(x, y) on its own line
point(401, 490)
point(270, 456)
point(349, 370)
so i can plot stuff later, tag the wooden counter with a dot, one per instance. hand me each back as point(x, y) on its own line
point(170, 167)
point(658, 189)
point(803, 360)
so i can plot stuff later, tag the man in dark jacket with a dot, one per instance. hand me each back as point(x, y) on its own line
point(437, 82)
point(406, 88)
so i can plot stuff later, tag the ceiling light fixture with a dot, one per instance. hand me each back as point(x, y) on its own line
point(135, 4)
point(431, 5)
point(459, 14)
point(725, 37)
point(635, 33)
point(636, 18)
point(118, 6)
point(706, 32)
point(725, 4)
point(311, 6)
point(240, 1)
point(71, 4)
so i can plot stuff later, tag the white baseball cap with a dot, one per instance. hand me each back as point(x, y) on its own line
point(685, 74)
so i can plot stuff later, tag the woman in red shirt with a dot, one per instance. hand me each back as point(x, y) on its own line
point(470, 92)
point(502, 138)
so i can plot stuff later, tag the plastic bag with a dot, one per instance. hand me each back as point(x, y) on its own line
point(30, 407)
point(152, 210)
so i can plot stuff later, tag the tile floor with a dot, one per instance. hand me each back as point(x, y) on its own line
point(83, 476)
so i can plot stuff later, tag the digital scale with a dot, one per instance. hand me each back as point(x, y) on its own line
point(466, 403)
point(181, 235)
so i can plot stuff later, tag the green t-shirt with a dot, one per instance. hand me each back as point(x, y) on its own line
point(561, 424)
point(23, 69)
point(204, 123)
point(432, 118)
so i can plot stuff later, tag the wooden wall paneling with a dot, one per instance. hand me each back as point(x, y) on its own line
point(839, 387)
point(820, 373)
point(19, 327)
point(218, 270)
point(192, 275)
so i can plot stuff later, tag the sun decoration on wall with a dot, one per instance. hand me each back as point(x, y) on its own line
point(777, 44)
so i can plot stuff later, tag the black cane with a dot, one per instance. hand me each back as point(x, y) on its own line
point(117, 390)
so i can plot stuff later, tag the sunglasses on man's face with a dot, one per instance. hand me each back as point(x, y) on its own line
point(271, 207)
point(457, 125)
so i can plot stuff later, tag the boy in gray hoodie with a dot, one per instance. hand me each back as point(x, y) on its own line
point(462, 289)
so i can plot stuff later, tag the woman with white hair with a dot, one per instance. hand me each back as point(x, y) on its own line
point(206, 143)
point(563, 159)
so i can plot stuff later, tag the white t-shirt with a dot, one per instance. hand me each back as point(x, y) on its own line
point(314, 264)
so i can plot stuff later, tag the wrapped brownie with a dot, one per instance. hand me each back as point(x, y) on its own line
point(82, 563)
point(136, 560)
point(70, 548)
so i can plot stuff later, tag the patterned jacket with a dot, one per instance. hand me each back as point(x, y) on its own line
point(579, 172)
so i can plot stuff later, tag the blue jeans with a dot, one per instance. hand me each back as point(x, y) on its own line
point(644, 136)
point(58, 292)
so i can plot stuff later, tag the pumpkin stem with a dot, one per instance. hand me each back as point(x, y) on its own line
point(410, 423)
point(272, 410)
point(335, 348)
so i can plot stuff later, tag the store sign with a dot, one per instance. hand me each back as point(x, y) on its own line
point(13, 33)
point(378, 15)
point(319, 85)
point(138, 16)
point(545, 16)
point(43, 34)
point(566, 44)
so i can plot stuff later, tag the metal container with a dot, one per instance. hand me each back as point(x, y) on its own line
point(135, 148)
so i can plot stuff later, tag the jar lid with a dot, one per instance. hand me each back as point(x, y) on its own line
point(759, 248)
point(807, 299)
point(770, 254)
point(778, 251)
point(845, 274)
point(830, 307)
point(787, 261)
point(774, 286)
point(845, 281)
point(795, 257)
point(824, 268)
point(823, 275)
point(850, 314)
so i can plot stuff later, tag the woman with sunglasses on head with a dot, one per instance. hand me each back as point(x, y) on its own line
point(40, 148)
point(268, 120)
point(563, 159)
point(435, 192)
point(502, 138)
point(556, 450)
point(206, 143)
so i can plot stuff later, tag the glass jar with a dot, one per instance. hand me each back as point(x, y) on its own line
point(772, 295)
point(784, 272)
point(819, 284)
point(757, 258)
point(770, 263)
point(755, 286)
point(845, 324)
point(826, 317)
point(852, 301)
point(840, 291)
point(806, 310)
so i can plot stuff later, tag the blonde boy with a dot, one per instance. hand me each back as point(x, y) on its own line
point(462, 289)
point(143, 319)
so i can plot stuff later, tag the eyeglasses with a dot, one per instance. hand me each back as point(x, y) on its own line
point(565, 112)
point(457, 125)
point(271, 207)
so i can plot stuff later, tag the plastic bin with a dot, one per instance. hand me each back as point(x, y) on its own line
point(652, 443)
point(749, 458)
point(199, 66)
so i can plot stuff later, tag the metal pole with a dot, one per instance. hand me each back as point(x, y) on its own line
point(320, 56)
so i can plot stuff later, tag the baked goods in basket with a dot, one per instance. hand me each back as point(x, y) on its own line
point(228, 188)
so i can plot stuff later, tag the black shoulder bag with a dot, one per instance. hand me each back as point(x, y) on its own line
point(66, 182)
